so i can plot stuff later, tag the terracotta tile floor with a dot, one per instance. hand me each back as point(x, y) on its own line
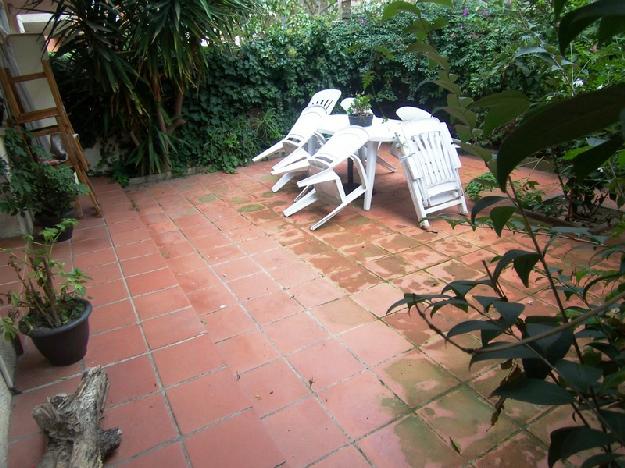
point(233, 336)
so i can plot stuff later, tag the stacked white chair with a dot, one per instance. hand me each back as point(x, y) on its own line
point(303, 132)
point(431, 167)
point(412, 113)
point(323, 183)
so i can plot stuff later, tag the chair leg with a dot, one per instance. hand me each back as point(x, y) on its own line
point(281, 182)
point(463, 206)
point(301, 203)
point(386, 164)
point(329, 216)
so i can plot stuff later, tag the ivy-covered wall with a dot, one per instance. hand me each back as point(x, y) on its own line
point(252, 93)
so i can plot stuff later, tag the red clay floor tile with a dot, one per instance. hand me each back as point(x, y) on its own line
point(362, 404)
point(258, 284)
point(130, 379)
point(312, 363)
point(169, 456)
point(115, 345)
point(236, 269)
point(375, 342)
point(316, 292)
point(210, 299)
point(341, 315)
point(199, 402)
point(246, 351)
point(116, 315)
point(408, 443)
point(272, 307)
point(167, 329)
point(226, 323)
point(145, 423)
point(272, 386)
point(304, 433)
point(236, 442)
point(294, 332)
point(152, 281)
point(347, 457)
point(187, 359)
point(379, 298)
point(161, 302)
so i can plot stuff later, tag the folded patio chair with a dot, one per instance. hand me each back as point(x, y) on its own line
point(323, 183)
point(326, 98)
point(412, 113)
point(431, 164)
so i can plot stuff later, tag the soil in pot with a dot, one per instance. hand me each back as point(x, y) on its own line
point(43, 221)
point(64, 345)
point(364, 120)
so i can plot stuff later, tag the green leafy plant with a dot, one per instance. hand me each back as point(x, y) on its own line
point(42, 300)
point(573, 356)
point(32, 184)
point(529, 196)
point(138, 60)
point(361, 105)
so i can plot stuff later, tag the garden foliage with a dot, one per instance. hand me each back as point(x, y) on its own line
point(573, 356)
point(249, 94)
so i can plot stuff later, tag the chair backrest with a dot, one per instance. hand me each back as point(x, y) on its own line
point(430, 155)
point(341, 146)
point(306, 124)
point(346, 103)
point(412, 113)
point(326, 98)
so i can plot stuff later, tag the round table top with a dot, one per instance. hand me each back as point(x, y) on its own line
point(381, 130)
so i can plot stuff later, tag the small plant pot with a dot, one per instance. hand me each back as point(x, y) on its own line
point(45, 221)
point(362, 120)
point(64, 345)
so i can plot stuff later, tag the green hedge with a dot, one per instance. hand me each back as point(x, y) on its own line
point(253, 92)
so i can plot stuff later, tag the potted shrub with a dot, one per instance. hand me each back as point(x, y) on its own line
point(34, 184)
point(50, 307)
point(360, 112)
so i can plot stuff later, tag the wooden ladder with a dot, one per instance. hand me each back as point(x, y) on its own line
point(63, 127)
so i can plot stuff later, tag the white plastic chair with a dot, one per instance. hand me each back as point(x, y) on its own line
point(346, 103)
point(323, 182)
point(326, 98)
point(412, 113)
point(431, 164)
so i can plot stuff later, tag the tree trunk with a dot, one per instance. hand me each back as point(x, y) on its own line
point(71, 424)
point(346, 9)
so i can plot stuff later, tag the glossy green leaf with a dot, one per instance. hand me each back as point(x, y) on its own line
point(616, 422)
point(524, 264)
point(535, 391)
point(485, 202)
point(502, 108)
point(601, 459)
point(586, 162)
point(500, 215)
point(570, 440)
point(476, 150)
point(473, 325)
point(516, 352)
point(578, 376)
point(509, 311)
point(574, 22)
point(430, 53)
point(399, 6)
point(557, 123)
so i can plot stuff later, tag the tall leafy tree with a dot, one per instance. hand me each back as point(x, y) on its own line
point(142, 56)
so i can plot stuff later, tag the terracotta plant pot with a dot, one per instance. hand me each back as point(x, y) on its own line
point(64, 345)
point(362, 120)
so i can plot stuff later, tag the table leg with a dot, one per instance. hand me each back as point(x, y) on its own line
point(372, 155)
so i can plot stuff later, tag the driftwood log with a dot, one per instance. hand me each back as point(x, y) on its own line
point(71, 424)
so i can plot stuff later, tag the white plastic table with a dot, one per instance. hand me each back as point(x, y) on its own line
point(380, 131)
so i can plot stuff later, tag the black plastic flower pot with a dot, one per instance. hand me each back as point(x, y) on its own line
point(64, 345)
point(362, 120)
point(42, 221)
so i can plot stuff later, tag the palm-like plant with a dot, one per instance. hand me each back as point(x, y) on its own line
point(133, 52)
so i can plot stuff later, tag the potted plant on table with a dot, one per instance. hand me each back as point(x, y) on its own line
point(54, 314)
point(360, 113)
point(33, 184)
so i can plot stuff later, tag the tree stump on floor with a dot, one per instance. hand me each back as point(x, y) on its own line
point(71, 424)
